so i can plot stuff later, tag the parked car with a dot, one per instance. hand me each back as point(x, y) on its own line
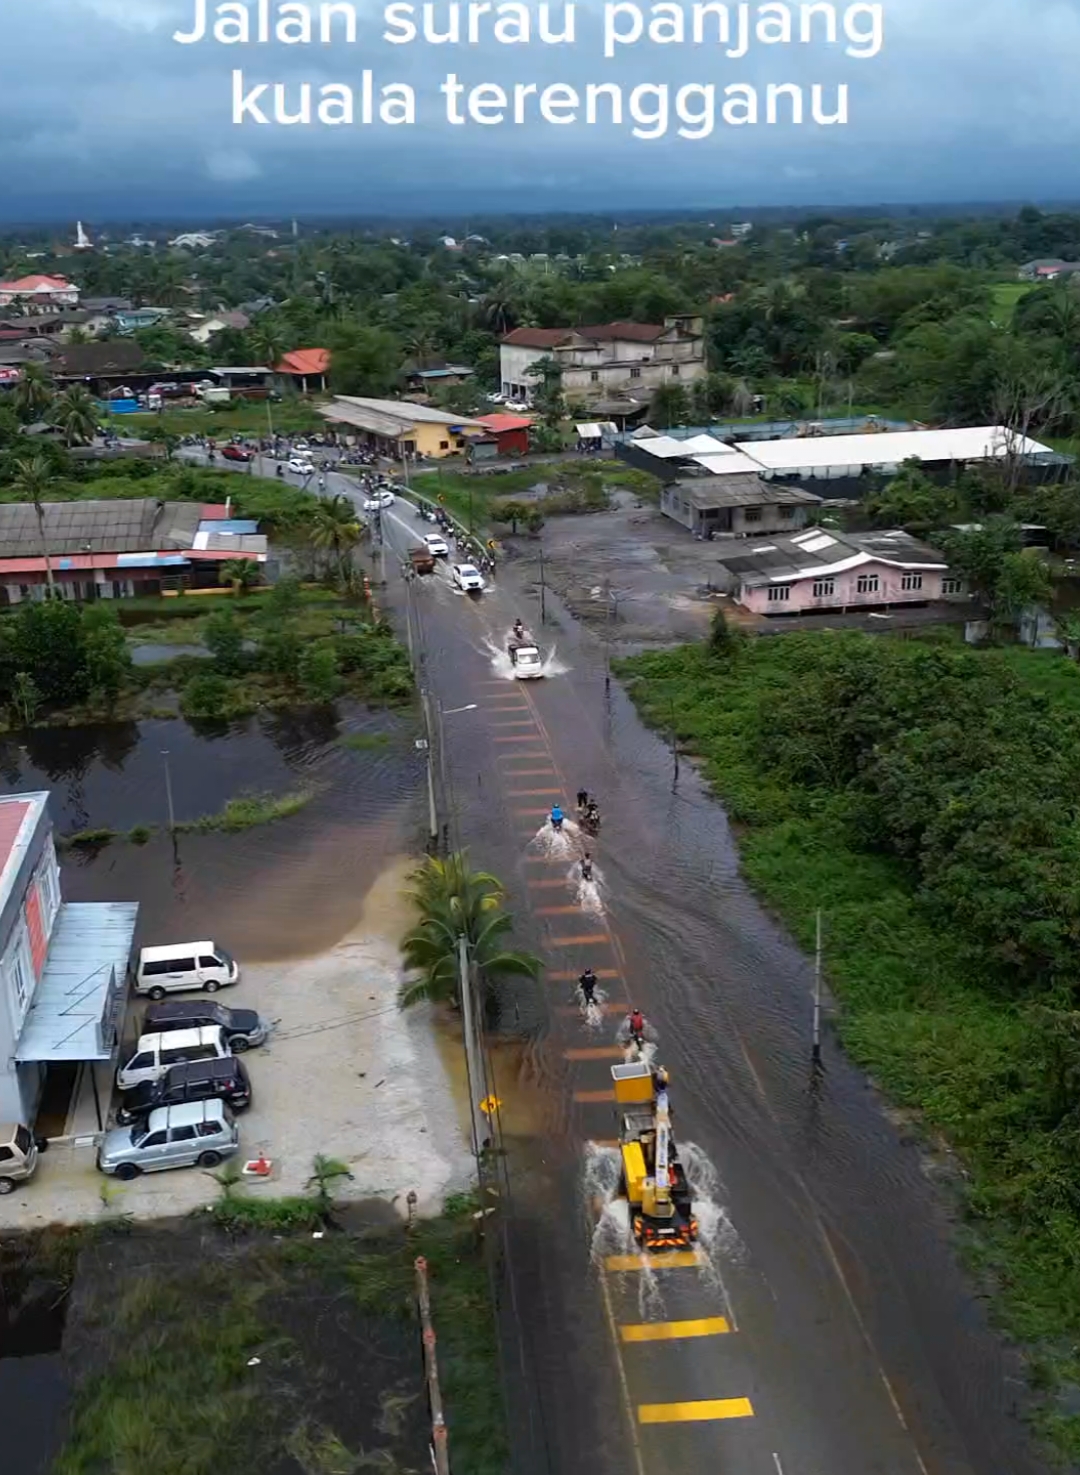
point(468, 578)
point(197, 1080)
point(437, 544)
point(237, 453)
point(380, 499)
point(300, 445)
point(154, 1053)
point(184, 965)
point(201, 1132)
point(300, 466)
point(18, 1155)
point(242, 1028)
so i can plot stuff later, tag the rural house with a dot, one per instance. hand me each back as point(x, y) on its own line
point(596, 362)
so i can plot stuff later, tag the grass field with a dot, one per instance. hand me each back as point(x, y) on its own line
point(246, 417)
point(469, 495)
point(1004, 297)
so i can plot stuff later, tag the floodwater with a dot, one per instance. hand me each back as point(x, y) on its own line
point(286, 889)
point(280, 890)
point(860, 1343)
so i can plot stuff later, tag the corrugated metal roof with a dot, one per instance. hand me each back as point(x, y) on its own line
point(236, 525)
point(890, 448)
point(85, 977)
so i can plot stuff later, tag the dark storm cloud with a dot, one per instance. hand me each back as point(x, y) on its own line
point(101, 112)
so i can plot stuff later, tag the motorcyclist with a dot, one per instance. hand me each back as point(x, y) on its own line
point(582, 800)
point(557, 817)
point(586, 867)
point(281, 471)
point(519, 629)
point(636, 1025)
point(592, 814)
point(587, 982)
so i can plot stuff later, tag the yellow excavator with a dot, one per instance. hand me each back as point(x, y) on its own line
point(653, 1180)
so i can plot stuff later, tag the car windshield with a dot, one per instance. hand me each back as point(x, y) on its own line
point(469, 573)
point(224, 958)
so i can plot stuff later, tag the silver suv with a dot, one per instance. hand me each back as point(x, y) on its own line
point(201, 1132)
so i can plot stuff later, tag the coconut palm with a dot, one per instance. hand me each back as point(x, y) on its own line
point(336, 529)
point(33, 394)
point(454, 903)
point(267, 343)
point(75, 412)
point(32, 479)
point(240, 574)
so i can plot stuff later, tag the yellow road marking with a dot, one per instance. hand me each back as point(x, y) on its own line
point(531, 793)
point(606, 1008)
point(605, 1141)
point(505, 758)
point(566, 911)
point(548, 772)
point(672, 1260)
point(525, 813)
point(589, 939)
point(594, 1052)
point(587, 1097)
point(673, 1331)
point(521, 738)
point(704, 1410)
point(547, 883)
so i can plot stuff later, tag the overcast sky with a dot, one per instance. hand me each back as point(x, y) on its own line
point(103, 115)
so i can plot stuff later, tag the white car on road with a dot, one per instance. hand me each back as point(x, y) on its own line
point(380, 499)
point(301, 467)
point(468, 578)
point(437, 544)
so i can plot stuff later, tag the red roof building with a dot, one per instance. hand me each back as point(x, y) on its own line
point(510, 433)
point(39, 292)
point(307, 368)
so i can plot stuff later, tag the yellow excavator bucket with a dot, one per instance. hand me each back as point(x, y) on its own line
point(633, 1083)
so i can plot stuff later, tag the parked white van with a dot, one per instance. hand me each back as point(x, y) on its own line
point(184, 965)
point(154, 1054)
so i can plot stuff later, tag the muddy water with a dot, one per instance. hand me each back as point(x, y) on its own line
point(863, 1345)
point(279, 890)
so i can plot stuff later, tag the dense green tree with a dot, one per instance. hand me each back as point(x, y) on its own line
point(223, 637)
point(108, 661)
point(48, 643)
point(319, 673)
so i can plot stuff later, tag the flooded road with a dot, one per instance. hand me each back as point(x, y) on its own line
point(830, 1330)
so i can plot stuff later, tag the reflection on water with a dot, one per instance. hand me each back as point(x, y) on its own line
point(277, 890)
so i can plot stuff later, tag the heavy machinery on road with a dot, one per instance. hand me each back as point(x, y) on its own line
point(653, 1179)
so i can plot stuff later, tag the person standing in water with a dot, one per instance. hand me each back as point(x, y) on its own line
point(587, 983)
point(586, 867)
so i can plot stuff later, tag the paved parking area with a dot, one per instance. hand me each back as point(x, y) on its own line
point(344, 1073)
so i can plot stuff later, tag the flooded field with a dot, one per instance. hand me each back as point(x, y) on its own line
point(275, 891)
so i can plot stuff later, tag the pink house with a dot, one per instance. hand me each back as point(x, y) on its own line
point(39, 293)
point(820, 569)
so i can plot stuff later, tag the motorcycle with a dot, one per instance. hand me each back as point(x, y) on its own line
point(589, 819)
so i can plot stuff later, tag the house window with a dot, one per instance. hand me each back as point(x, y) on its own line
point(594, 375)
point(824, 588)
point(866, 584)
point(444, 445)
point(787, 512)
point(779, 593)
point(952, 586)
point(751, 514)
point(635, 373)
point(19, 974)
point(674, 371)
point(909, 582)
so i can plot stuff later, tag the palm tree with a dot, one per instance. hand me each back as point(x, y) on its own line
point(75, 412)
point(33, 394)
point(240, 574)
point(32, 480)
point(455, 903)
point(336, 529)
point(267, 344)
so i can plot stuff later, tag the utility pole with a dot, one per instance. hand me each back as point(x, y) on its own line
point(474, 1073)
point(543, 591)
point(433, 817)
point(674, 749)
point(168, 791)
point(816, 1049)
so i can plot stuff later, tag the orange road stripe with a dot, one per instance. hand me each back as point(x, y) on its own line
point(594, 1052)
point(526, 757)
point(556, 974)
point(608, 1007)
point(604, 1142)
point(525, 813)
point(524, 737)
point(568, 911)
point(586, 1097)
point(590, 939)
point(548, 772)
point(530, 793)
point(548, 883)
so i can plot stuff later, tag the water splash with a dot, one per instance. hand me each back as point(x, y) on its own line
point(717, 1236)
point(503, 666)
point(612, 1234)
point(587, 893)
point(555, 844)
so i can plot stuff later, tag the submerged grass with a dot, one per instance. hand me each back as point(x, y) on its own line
point(940, 1040)
point(196, 1349)
point(248, 810)
point(364, 742)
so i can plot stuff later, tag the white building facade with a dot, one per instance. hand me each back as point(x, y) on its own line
point(597, 362)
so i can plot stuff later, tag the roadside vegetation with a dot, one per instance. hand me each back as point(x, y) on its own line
point(486, 499)
point(243, 1335)
point(242, 813)
point(454, 901)
point(923, 795)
